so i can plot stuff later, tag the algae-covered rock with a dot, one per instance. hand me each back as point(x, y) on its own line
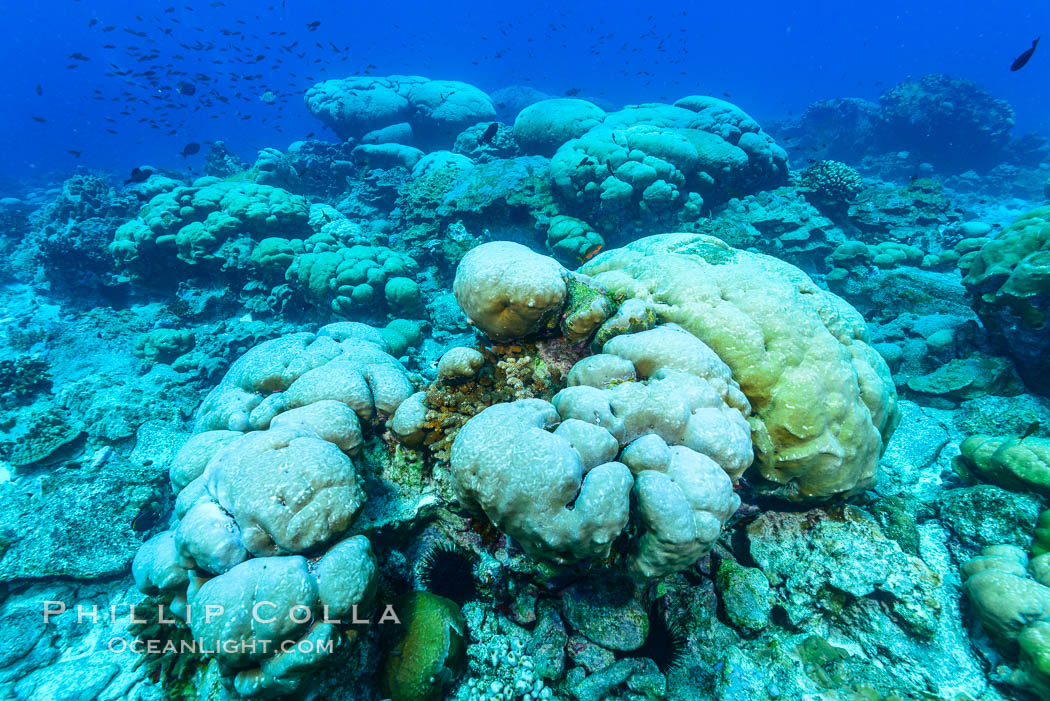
point(996, 415)
point(746, 596)
point(968, 378)
point(43, 434)
point(164, 345)
point(809, 556)
point(428, 651)
point(986, 515)
point(636, 677)
point(606, 612)
point(896, 516)
point(79, 523)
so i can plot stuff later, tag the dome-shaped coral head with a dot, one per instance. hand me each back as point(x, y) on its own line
point(508, 291)
point(831, 184)
point(738, 357)
point(823, 401)
point(655, 420)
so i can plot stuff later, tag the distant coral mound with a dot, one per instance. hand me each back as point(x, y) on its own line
point(426, 113)
point(952, 123)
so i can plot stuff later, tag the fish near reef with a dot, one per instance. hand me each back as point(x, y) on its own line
point(139, 175)
point(1023, 59)
point(489, 133)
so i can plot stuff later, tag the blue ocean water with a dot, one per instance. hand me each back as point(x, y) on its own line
point(770, 58)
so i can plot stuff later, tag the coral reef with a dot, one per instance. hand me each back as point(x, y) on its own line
point(572, 240)
point(684, 445)
point(657, 393)
point(1009, 278)
point(788, 365)
point(545, 451)
point(831, 184)
point(212, 224)
point(1010, 594)
point(1022, 464)
point(266, 479)
point(950, 122)
point(542, 127)
point(23, 378)
point(432, 112)
point(346, 279)
point(661, 162)
point(429, 650)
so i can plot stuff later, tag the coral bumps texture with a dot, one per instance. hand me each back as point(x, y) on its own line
point(1009, 278)
point(210, 222)
point(434, 111)
point(653, 159)
point(267, 490)
point(742, 357)
point(1011, 596)
point(525, 463)
point(652, 476)
point(822, 399)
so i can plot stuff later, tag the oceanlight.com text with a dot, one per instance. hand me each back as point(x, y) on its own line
point(229, 647)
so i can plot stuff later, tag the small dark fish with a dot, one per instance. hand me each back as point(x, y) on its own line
point(190, 149)
point(1021, 60)
point(1032, 429)
point(324, 214)
point(139, 175)
point(187, 88)
point(312, 26)
point(571, 92)
point(39, 89)
point(75, 154)
point(92, 22)
point(490, 132)
point(38, 119)
point(77, 56)
point(144, 520)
